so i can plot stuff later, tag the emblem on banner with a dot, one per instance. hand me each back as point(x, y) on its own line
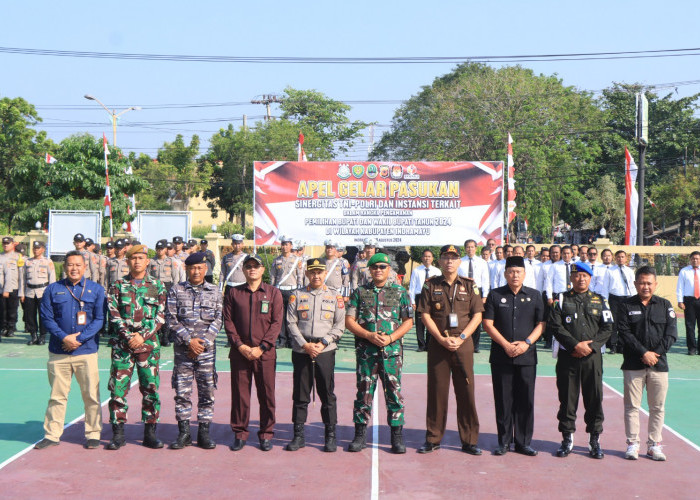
point(384, 171)
point(343, 170)
point(372, 171)
point(358, 170)
point(411, 172)
point(396, 172)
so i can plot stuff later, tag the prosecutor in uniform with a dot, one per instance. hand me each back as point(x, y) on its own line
point(451, 312)
point(287, 275)
point(194, 316)
point(316, 320)
point(37, 273)
point(581, 322)
point(514, 319)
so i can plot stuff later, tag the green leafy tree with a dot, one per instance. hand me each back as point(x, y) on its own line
point(178, 162)
point(603, 205)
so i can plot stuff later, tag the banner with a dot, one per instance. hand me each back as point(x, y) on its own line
point(398, 203)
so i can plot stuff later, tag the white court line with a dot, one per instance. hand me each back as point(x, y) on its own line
point(374, 489)
point(671, 430)
point(72, 422)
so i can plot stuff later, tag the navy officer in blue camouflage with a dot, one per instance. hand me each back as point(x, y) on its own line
point(194, 316)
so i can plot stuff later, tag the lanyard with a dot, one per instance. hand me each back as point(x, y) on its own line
point(454, 292)
point(80, 301)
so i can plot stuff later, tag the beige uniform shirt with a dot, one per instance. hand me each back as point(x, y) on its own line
point(180, 265)
point(232, 262)
point(37, 274)
point(102, 269)
point(288, 269)
point(338, 276)
point(315, 314)
point(165, 270)
point(116, 270)
point(10, 270)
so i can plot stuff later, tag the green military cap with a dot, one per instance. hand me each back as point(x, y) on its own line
point(379, 258)
point(136, 249)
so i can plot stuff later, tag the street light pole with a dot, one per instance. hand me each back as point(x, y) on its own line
point(113, 114)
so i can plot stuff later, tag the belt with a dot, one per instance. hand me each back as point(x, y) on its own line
point(313, 339)
point(287, 287)
point(231, 283)
point(34, 287)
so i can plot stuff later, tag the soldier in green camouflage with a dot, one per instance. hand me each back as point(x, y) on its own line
point(379, 314)
point(136, 312)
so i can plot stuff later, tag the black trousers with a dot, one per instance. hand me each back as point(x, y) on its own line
point(9, 311)
point(514, 401)
point(692, 319)
point(31, 313)
point(584, 375)
point(615, 302)
point(285, 340)
point(305, 375)
point(420, 332)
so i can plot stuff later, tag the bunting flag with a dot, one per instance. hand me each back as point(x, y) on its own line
point(511, 187)
point(653, 205)
point(631, 199)
point(300, 149)
point(49, 159)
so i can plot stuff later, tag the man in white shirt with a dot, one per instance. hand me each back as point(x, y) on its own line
point(491, 243)
point(418, 277)
point(532, 267)
point(583, 253)
point(688, 295)
point(476, 269)
point(546, 262)
point(575, 256)
point(545, 270)
point(617, 286)
point(600, 269)
point(497, 268)
point(486, 254)
point(559, 275)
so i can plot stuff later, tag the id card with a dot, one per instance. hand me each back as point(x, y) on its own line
point(264, 307)
point(81, 318)
point(453, 320)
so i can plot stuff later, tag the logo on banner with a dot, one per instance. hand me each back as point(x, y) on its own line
point(411, 172)
point(358, 171)
point(384, 171)
point(372, 171)
point(396, 172)
point(343, 170)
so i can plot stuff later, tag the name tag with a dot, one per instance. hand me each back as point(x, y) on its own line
point(453, 320)
point(81, 318)
point(264, 307)
point(634, 313)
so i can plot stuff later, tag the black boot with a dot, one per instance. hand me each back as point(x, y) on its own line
point(330, 445)
point(299, 441)
point(42, 339)
point(567, 444)
point(184, 438)
point(164, 341)
point(118, 439)
point(33, 340)
point(594, 446)
point(149, 437)
point(397, 445)
point(203, 439)
point(359, 442)
point(10, 332)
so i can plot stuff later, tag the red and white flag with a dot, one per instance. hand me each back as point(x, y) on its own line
point(300, 149)
point(108, 200)
point(510, 206)
point(49, 159)
point(104, 143)
point(631, 199)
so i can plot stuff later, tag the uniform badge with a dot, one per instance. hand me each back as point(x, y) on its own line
point(476, 291)
point(264, 307)
point(528, 299)
point(292, 299)
point(340, 301)
point(671, 312)
point(304, 297)
point(568, 319)
point(304, 315)
point(503, 300)
point(438, 306)
point(327, 315)
point(594, 311)
point(461, 288)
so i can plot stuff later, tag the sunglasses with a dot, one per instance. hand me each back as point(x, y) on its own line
point(379, 266)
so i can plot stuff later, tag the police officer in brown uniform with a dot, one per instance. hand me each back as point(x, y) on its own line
point(11, 264)
point(451, 310)
point(180, 253)
point(316, 321)
point(110, 254)
point(37, 273)
point(163, 268)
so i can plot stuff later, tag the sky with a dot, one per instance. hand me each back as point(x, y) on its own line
point(166, 90)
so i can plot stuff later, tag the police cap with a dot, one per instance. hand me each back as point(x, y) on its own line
point(312, 264)
point(582, 267)
point(79, 237)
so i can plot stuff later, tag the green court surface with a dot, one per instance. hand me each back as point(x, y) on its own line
point(25, 388)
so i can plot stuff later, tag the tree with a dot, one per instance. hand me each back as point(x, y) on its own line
point(186, 175)
point(467, 115)
point(604, 206)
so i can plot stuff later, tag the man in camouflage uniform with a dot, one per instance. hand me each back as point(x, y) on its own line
point(338, 270)
point(194, 316)
point(379, 314)
point(117, 268)
point(164, 270)
point(136, 311)
point(12, 262)
point(37, 273)
point(287, 275)
point(316, 319)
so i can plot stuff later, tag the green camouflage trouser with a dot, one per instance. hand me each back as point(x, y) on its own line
point(371, 366)
point(123, 363)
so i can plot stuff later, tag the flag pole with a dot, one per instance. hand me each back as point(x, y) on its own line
point(108, 194)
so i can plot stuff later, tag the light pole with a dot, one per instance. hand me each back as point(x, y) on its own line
point(113, 113)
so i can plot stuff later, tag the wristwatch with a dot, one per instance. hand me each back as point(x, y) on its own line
point(463, 336)
point(324, 342)
point(528, 341)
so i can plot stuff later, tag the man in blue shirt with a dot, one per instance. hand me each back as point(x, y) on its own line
point(73, 312)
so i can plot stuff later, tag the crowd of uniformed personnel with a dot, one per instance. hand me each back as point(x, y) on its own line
point(580, 306)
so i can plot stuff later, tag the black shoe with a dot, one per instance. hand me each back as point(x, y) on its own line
point(397, 445)
point(359, 442)
point(184, 438)
point(299, 441)
point(330, 445)
point(204, 441)
point(594, 450)
point(477, 350)
point(91, 444)
point(472, 449)
point(612, 350)
point(567, 444)
point(118, 439)
point(428, 447)
point(149, 437)
point(41, 340)
point(33, 339)
point(265, 444)
point(526, 450)
point(501, 450)
point(45, 443)
point(238, 444)
point(692, 352)
point(10, 333)
point(547, 344)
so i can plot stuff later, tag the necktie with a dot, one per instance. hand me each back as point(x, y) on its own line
point(568, 276)
point(426, 275)
point(624, 280)
point(471, 269)
point(696, 285)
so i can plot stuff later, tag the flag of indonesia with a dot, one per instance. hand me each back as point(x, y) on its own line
point(49, 159)
point(300, 149)
point(108, 201)
point(631, 200)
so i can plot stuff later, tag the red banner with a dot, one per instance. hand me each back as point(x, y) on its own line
point(398, 203)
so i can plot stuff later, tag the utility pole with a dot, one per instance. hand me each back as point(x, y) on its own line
point(267, 99)
point(642, 135)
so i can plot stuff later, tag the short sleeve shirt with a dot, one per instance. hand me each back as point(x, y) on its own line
point(440, 299)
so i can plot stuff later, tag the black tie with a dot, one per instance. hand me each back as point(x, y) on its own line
point(426, 274)
point(471, 270)
point(568, 276)
point(624, 280)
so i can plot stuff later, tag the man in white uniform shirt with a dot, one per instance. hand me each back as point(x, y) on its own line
point(415, 286)
point(491, 243)
point(559, 275)
point(599, 270)
point(688, 295)
point(545, 270)
point(497, 268)
point(475, 268)
point(617, 286)
point(532, 267)
point(583, 254)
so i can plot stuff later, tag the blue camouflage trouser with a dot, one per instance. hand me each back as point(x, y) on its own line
point(203, 371)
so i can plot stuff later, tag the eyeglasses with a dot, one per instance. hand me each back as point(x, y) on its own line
point(379, 266)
